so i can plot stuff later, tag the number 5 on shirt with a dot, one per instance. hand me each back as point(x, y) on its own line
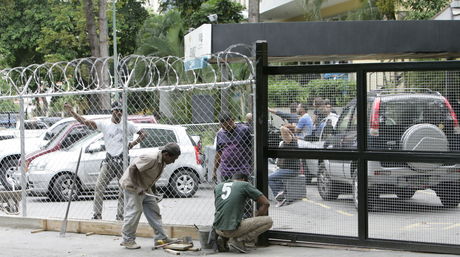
point(226, 190)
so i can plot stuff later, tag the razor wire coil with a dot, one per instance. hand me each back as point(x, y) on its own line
point(93, 74)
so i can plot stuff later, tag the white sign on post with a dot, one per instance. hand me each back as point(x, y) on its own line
point(197, 46)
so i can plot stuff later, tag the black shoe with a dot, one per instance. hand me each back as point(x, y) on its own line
point(236, 245)
point(96, 216)
point(222, 244)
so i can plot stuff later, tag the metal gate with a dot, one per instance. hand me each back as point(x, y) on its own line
point(377, 152)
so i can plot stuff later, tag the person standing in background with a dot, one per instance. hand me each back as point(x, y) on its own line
point(112, 166)
point(233, 149)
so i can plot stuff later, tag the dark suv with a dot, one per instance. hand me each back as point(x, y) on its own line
point(408, 120)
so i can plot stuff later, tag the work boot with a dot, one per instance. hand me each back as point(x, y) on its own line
point(250, 244)
point(130, 245)
point(96, 216)
point(237, 245)
point(222, 245)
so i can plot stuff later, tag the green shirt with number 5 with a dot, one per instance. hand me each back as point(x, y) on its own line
point(230, 197)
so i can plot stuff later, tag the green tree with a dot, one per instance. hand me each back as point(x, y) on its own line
point(131, 15)
point(226, 10)
point(162, 35)
point(185, 7)
point(63, 35)
point(416, 9)
point(37, 31)
point(387, 8)
point(423, 9)
point(195, 12)
point(20, 30)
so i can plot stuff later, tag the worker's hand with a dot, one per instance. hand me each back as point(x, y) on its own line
point(68, 107)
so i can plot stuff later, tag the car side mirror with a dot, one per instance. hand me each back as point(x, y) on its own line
point(95, 147)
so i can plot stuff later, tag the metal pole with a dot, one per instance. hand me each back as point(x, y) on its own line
point(124, 97)
point(363, 224)
point(261, 129)
point(23, 156)
point(224, 94)
point(115, 53)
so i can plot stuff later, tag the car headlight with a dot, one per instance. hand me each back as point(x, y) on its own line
point(38, 165)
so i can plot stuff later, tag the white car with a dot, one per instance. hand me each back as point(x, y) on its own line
point(10, 149)
point(51, 174)
point(32, 128)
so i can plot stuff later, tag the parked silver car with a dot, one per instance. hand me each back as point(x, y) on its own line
point(51, 174)
point(398, 121)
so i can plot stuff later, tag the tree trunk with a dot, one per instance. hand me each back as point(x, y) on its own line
point(104, 99)
point(99, 48)
point(91, 28)
point(253, 11)
point(103, 31)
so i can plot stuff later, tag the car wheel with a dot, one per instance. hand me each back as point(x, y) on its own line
point(61, 188)
point(7, 169)
point(449, 195)
point(404, 193)
point(326, 188)
point(183, 183)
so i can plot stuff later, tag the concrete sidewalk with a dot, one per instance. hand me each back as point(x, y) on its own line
point(19, 242)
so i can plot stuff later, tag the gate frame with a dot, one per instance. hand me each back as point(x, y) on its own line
point(361, 154)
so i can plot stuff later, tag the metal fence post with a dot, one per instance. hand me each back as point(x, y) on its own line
point(261, 117)
point(23, 156)
point(363, 226)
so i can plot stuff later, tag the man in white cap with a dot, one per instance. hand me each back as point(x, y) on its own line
point(137, 182)
point(112, 166)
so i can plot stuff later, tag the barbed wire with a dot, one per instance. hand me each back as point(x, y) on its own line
point(223, 69)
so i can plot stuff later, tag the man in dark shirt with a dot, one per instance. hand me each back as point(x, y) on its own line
point(230, 198)
point(233, 149)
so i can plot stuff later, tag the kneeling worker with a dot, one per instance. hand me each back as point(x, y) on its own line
point(137, 182)
point(230, 197)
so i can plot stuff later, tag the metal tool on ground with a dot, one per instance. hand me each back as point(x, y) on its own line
point(170, 243)
point(72, 188)
point(181, 244)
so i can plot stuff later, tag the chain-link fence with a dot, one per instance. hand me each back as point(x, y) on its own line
point(60, 116)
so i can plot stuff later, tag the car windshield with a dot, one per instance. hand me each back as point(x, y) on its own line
point(157, 137)
point(68, 136)
point(84, 140)
point(56, 137)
